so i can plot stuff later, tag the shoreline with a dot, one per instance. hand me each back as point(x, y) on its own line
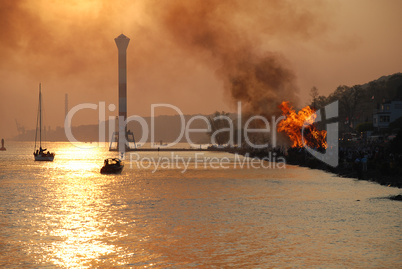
point(383, 173)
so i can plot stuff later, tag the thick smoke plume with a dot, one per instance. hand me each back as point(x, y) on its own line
point(69, 47)
point(227, 35)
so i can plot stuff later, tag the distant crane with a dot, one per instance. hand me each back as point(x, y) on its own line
point(20, 129)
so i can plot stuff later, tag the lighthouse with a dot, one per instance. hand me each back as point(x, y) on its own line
point(122, 44)
point(121, 137)
point(122, 140)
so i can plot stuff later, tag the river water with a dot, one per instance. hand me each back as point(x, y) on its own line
point(66, 214)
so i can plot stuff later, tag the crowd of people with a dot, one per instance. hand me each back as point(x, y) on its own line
point(374, 155)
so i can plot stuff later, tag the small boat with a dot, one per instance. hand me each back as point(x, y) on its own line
point(41, 154)
point(112, 166)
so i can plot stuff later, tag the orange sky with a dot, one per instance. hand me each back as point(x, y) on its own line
point(186, 53)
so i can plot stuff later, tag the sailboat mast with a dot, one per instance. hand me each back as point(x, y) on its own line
point(40, 116)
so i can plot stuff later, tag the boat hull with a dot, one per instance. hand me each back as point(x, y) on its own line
point(111, 170)
point(112, 166)
point(44, 157)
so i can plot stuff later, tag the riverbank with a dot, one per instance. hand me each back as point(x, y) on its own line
point(383, 171)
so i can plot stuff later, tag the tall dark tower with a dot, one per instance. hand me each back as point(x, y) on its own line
point(122, 139)
point(122, 44)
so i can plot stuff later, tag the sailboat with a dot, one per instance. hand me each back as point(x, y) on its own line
point(40, 153)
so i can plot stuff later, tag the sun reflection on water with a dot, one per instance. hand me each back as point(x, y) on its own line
point(66, 214)
point(74, 215)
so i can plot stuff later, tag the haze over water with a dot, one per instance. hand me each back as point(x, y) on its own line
point(66, 214)
point(201, 56)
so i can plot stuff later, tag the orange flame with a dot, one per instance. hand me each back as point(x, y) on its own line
point(294, 123)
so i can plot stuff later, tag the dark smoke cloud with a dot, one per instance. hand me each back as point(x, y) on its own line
point(227, 35)
point(69, 47)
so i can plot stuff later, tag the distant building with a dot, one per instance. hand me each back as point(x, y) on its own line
point(388, 112)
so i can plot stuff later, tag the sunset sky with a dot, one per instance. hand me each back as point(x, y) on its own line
point(187, 53)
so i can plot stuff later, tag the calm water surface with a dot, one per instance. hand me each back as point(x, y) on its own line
point(65, 214)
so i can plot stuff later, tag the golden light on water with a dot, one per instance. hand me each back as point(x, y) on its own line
point(76, 217)
point(79, 166)
point(66, 214)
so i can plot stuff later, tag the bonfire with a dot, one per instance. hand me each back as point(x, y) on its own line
point(300, 127)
